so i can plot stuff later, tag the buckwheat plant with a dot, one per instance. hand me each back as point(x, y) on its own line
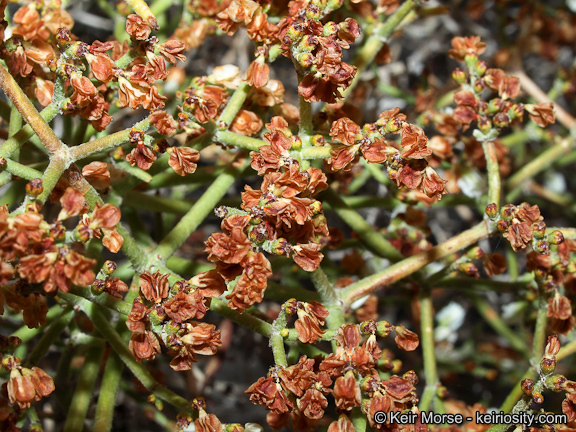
point(353, 213)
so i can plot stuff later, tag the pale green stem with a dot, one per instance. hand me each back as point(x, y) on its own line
point(202, 208)
point(429, 357)
point(51, 176)
point(276, 339)
point(540, 163)
point(412, 264)
point(372, 238)
point(108, 393)
point(231, 138)
point(374, 43)
point(244, 319)
point(494, 187)
point(119, 346)
point(107, 142)
point(234, 105)
point(29, 112)
point(144, 12)
point(84, 390)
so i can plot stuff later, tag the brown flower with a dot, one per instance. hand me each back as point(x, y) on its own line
point(246, 123)
point(307, 256)
point(345, 131)
point(258, 73)
point(268, 393)
point(97, 174)
point(463, 46)
point(343, 424)
point(406, 339)
point(172, 50)
point(183, 160)
point(163, 122)
point(185, 306)
point(26, 385)
point(541, 113)
point(142, 156)
point(560, 314)
point(310, 317)
point(137, 28)
point(347, 392)
point(73, 204)
point(154, 287)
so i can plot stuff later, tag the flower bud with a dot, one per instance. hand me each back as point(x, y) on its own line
point(368, 327)
point(501, 120)
point(471, 60)
point(459, 76)
point(475, 253)
point(556, 382)
point(442, 392)
point(318, 141)
point(495, 105)
point(539, 230)
point(234, 427)
point(479, 85)
point(295, 32)
point(547, 365)
point(411, 377)
point(556, 237)
point(484, 124)
point(537, 398)
point(108, 267)
point(330, 29)
point(384, 328)
point(516, 111)
point(508, 212)
point(503, 225)
point(480, 68)
point(542, 247)
point(527, 386)
point(4, 162)
point(34, 188)
point(98, 286)
point(296, 142)
point(492, 210)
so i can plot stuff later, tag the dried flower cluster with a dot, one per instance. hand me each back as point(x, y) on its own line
point(297, 393)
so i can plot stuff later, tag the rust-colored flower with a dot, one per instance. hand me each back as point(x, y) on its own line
point(102, 66)
point(258, 73)
point(173, 50)
point(343, 424)
point(73, 204)
point(560, 314)
point(142, 156)
point(183, 160)
point(97, 174)
point(463, 46)
point(27, 385)
point(185, 306)
point(237, 13)
point(163, 122)
point(246, 123)
point(137, 28)
point(268, 393)
point(347, 392)
point(541, 113)
point(154, 287)
point(249, 289)
point(345, 131)
point(406, 339)
point(310, 317)
point(307, 256)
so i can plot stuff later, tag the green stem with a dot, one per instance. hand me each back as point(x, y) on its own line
point(107, 142)
point(238, 140)
point(305, 126)
point(108, 393)
point(103, 299)
point(370, 237)
point(411, 265)
point(203, 207)
point(494, 187)
point(276, 339)
point(244, 319)
point(51, 176)
point(234, 105)
point(374, 43)
point(539, 342)
point(540, 163)
point(84, 390)
point(29, 112)
point(51, 333)
point(429, 357)
point(103, 325)
point(498, 324)
point(22, 171)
